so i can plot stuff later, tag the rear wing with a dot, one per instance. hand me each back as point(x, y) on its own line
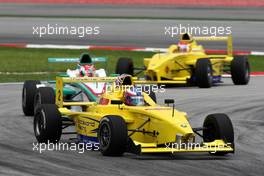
point(228, 39)
point(74, 60)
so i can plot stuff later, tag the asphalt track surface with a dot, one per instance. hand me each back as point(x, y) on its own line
point(244, 105)
point(246, 24)
point(151, 11)
point(122, 32)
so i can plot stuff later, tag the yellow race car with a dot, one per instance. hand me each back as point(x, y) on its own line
point(121, 121)
point(187, 63)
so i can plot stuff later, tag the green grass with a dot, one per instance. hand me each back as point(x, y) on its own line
point(35, 60)
point(256, 63)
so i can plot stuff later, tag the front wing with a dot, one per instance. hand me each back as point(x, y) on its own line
point(215, 146)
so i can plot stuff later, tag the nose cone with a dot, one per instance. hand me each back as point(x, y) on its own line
point(170, 123)
point(180, 123)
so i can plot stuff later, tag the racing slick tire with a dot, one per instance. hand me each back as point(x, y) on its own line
point(125, 66)
point(112, 135)
point(44, 95)
point(240, 70)
point(47, 123)
point(28, 93)
point(204, 73)
point(218, 126)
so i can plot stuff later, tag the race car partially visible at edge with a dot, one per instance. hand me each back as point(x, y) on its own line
point(36, 92)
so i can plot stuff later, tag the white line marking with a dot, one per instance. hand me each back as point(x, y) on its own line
point(257, 53)
point(57, 46)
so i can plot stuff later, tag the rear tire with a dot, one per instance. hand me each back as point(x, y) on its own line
point(44, 95)
point(125, 66)
point(28, 93)
point(204, 73)
point(112, 136)
point(218, 126)
point(240, 70)
point(47, 123)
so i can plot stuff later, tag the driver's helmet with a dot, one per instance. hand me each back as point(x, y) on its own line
point(133, 97)
point(183, 46)
point(87, 70)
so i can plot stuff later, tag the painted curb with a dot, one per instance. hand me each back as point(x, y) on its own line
point(252, 74)
point(117, 48)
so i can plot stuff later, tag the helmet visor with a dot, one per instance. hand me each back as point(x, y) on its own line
point(137, 100)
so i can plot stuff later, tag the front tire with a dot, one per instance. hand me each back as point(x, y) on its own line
point(204, 73)
point(112, 136)
point(47, 123)
point(240, 70)
point(28, 93)
point(125, 66)
point(218, 126)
